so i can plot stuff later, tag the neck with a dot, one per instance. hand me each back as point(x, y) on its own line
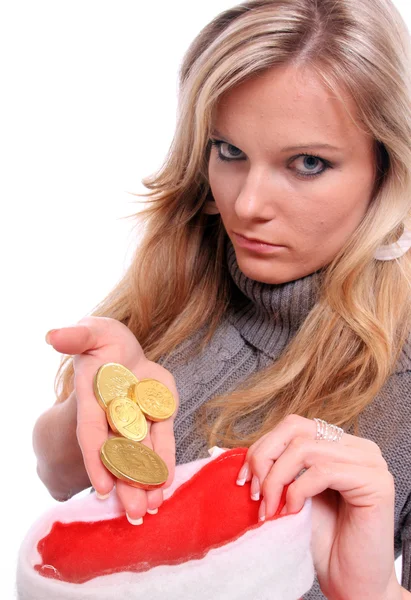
point(269, 315)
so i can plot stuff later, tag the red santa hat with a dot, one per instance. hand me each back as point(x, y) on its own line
point(204, 542)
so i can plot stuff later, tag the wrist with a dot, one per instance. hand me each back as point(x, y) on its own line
point(60, 464)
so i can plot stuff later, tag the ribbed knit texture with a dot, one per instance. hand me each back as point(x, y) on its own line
point(270, 315)
point(258, 326)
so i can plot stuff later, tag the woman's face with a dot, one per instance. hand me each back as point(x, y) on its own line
point(266, 189)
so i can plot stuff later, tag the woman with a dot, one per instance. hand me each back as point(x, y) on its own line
point(272, 285)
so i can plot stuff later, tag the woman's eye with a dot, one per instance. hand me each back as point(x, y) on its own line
point(310, 164)
point(226, 151)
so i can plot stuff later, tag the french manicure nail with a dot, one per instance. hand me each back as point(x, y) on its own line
point(48, 335)
point(102, 496)
point(242, 475)
point(261, 512)
point(152, 511)
point(255, 488)
point(134, 521)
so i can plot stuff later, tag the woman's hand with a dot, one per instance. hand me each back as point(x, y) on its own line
point(95, 341)
point(353, 508)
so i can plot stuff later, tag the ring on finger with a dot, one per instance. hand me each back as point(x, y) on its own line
point(327, 431)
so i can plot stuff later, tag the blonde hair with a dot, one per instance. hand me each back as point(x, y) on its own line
point(177, 283)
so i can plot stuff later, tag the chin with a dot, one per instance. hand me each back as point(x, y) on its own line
point(267, 270)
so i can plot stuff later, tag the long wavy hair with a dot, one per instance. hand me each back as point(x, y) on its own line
point(177, 283)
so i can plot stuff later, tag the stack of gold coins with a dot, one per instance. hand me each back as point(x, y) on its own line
point(127, 402)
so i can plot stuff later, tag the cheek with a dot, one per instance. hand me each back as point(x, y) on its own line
point(323, 220)
point(339, 205)
point(349, 205)
point(327, 228)
point(223, 188)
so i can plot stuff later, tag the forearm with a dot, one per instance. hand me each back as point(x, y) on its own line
point(60, 464)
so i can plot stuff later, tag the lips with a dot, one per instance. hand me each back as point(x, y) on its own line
point(255, 240)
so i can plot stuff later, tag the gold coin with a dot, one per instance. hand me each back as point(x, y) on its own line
point(155, 399)
point(126, 418)
point(134, 463)
point(111, 381)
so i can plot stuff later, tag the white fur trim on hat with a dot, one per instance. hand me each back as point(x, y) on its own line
point(271, 562)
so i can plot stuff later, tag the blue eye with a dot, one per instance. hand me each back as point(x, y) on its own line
point(308, 161)
point(233, 151)
point(228, 153)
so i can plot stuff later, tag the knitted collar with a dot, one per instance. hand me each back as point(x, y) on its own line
point(269, 315)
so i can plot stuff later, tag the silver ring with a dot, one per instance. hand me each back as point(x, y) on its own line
point(328, 432)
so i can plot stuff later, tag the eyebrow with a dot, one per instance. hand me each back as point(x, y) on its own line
point(322, 146)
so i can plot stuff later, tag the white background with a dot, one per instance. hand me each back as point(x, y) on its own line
point(88, 104)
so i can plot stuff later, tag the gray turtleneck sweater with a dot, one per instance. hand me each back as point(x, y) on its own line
point(259, 324)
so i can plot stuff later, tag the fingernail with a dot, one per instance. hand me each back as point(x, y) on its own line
point(255, 488)
point(261, 512)
point(102, 496)
point(242, 475)
point(152, 511)
point(134, 521)
point(48, 335)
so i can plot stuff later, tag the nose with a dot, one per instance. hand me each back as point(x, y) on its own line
point(257, 196)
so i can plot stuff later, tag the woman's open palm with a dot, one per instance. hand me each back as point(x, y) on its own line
point(95, 341)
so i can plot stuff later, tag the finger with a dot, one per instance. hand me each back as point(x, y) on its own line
point(244, 473)
point(301, 454)
point(295, 426)
point(154, 501)
point(274, 443)
point(90, 333)
point(255, 488)
point(92, 427)
point(76, 339)
point(361, 487)
point(134, 501)
point(91, 436)
point(163, 444)
point(154, 497)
